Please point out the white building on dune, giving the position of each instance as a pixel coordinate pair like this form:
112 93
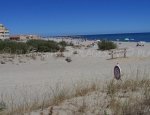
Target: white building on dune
4 32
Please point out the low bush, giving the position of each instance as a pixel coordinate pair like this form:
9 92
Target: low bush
2 106
64 43
106 45
13 47
71 44
43 45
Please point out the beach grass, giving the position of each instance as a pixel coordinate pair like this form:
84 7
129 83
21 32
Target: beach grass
126 97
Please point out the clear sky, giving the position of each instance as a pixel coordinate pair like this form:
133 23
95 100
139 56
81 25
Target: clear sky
65 17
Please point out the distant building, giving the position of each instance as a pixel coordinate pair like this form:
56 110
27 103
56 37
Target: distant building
24 37
4 32
29 37
16 38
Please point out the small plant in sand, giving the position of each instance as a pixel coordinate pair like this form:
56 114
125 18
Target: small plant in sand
68 59
50 111
62 49
3 62
75 52
106 45
71 44
33 56
2 106
82 89
60 54
63 44
42 58
77 46
59 95
146 97
82 108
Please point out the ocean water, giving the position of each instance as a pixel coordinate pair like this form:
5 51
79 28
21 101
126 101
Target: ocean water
133 37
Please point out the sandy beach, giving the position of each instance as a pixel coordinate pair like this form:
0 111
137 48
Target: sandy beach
87 64
36 75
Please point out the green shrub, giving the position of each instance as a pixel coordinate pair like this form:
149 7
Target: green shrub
13 47
2 106
63 44
43 45
71 44
106 45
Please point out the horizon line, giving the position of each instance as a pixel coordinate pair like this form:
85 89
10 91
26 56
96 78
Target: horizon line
41 34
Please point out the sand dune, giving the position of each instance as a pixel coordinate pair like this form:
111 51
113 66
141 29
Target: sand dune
36 75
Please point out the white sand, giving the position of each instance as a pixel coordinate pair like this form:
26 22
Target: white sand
37 76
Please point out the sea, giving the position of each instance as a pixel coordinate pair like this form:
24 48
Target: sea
132 37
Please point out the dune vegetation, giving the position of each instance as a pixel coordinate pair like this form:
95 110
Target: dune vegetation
131 96
14 47
106 45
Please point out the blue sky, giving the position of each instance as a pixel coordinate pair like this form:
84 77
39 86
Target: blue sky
68 17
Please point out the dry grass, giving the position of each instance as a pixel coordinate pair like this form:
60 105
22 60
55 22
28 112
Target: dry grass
60 54
136 103
129 107
33 56
126 97
56 97
82 108
59 95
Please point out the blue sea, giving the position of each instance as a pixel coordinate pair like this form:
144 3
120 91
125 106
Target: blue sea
133 37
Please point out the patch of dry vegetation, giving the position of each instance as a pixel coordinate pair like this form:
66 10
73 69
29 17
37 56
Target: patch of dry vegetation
126 97
129 97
